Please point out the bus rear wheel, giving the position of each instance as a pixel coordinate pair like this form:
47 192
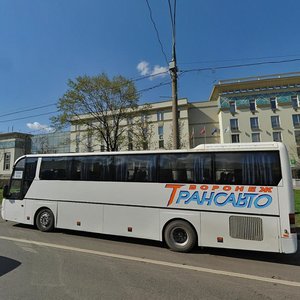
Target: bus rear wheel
45 220
180 236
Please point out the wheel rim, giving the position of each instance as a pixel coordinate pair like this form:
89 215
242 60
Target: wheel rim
45 219
179 236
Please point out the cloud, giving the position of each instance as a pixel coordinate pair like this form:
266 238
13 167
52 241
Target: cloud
39 127
157 71
143 68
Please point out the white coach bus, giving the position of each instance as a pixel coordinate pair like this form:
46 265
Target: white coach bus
221 195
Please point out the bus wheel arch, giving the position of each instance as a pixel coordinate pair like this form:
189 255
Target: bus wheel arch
179 235
44 219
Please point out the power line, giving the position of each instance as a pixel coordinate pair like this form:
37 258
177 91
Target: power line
221 67
240 65
149 76
238 59
53 112
28 109
33 116
156 30
154 87
171 15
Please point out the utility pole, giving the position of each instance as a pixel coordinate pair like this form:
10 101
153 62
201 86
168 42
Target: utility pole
175 127
173 73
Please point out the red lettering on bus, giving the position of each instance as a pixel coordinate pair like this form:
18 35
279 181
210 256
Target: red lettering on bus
265 189
227 188
239 188
204 187
175 187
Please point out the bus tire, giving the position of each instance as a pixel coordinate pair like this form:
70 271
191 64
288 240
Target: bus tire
180 236
45 220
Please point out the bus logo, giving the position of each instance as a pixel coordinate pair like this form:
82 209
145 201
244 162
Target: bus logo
235 196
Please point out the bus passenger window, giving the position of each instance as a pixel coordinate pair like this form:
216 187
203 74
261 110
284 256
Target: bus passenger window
56 168
185 168
136 168
248 168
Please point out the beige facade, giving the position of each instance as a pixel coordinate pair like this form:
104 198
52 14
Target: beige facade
203 123
159 129
261 109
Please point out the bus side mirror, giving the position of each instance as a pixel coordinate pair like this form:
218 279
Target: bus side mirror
5 191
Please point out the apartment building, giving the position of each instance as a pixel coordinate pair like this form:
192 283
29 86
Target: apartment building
261 109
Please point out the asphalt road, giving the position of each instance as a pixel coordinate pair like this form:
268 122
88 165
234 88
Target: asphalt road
73 265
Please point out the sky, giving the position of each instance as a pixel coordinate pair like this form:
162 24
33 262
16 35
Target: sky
44 43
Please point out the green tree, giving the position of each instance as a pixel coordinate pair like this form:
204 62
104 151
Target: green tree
99 103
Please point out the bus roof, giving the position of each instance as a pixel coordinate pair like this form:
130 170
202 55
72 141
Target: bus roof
200 148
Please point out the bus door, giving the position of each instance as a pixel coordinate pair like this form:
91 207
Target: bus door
21 179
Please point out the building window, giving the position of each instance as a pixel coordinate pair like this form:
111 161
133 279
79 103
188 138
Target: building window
297 137
254 123
144 118
232 107
234 125
77 141
273 103
275 122
277 136
77 127
130 146
256 137
161 144
252 105
235 138
295 101
296 121
160 116
160 132
145 145
6 165
130 141
89 142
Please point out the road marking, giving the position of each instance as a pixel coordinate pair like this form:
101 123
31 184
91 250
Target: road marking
157 262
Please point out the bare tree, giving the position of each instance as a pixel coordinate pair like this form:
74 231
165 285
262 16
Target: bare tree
140 128
101 105
182 137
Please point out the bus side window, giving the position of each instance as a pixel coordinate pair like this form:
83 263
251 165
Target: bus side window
166 175
56 168
248 168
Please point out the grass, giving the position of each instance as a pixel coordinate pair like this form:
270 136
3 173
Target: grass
297 206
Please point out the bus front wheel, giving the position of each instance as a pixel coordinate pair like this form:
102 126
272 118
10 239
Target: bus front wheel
180 236
45 220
